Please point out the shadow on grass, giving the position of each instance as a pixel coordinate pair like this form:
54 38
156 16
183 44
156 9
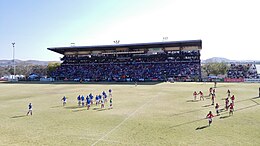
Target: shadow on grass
208 105
95 108
78 110
202 127
57 106
222 110
186 123
224 117
102 109
73 107
192 100
247 107
20 116
255 101
256 97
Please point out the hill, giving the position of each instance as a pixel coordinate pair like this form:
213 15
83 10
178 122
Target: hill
221 59
216 59
21 62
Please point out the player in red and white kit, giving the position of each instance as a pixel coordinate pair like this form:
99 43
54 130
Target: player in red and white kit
195 95
214 91
210 91
217 109
232 99
210 116
201 95
228 92
213 99
226 103
231 109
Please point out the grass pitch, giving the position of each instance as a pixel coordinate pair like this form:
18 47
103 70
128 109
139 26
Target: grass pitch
161 114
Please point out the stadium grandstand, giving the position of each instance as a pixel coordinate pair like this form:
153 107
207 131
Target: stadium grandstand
237 71
156 61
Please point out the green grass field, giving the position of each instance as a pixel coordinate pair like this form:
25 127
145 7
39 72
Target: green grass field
152 115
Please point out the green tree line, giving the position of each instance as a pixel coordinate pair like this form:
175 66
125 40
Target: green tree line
42 70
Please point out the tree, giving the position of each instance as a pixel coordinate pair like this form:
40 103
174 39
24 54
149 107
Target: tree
215 68
4 71
52 66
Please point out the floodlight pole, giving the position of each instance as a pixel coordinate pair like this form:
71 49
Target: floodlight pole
116 41
72 44
165 39
13 57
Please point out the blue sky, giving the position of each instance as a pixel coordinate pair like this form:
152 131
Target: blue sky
228 28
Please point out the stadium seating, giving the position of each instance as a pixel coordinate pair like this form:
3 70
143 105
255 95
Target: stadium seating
242 71
130 67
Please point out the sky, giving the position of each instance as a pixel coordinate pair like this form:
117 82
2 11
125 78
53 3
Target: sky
227 28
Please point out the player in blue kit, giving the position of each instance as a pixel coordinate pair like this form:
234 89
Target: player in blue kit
110 93
88 103
97 100
30 109
91 98
104 96
64 100
79 102
82 100
87 98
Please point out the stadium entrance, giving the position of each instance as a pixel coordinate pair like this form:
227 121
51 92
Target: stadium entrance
157 61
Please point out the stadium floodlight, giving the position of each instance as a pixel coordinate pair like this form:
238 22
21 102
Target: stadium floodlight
13 57
116 41
72 44
165 38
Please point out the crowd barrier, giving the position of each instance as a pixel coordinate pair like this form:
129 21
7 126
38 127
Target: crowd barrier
252 80
233 80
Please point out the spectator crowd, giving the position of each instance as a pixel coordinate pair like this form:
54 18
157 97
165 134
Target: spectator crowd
154 67
242 71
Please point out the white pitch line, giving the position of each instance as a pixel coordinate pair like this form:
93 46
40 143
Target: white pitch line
110 141
121 123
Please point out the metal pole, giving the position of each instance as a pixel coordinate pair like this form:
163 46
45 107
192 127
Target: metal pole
14 58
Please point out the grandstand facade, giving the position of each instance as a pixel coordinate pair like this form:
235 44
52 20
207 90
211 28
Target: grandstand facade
157 61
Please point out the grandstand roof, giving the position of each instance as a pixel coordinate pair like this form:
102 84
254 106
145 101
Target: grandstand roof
184 45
